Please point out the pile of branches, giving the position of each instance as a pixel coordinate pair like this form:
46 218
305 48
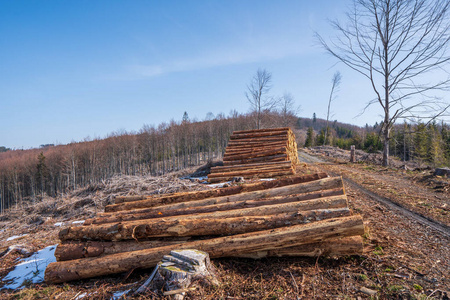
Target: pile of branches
373 158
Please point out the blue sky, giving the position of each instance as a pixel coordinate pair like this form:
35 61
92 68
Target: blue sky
76 69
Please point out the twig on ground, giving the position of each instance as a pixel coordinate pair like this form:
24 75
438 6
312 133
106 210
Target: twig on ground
147 282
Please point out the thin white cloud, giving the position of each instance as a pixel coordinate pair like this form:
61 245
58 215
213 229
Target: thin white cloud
217 59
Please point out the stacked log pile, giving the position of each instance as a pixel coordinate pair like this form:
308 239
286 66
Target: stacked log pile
261 153
302 215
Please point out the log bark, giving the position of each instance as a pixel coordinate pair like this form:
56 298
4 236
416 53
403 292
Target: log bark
197 195
253 146
282 129
203 212
224 203
250 141
219 247
352 245
281 165
264 153
249 146
272 158
269 174
151 228
253 149
69 250
257 143
294 189
238 193
118 199
278 134
251 166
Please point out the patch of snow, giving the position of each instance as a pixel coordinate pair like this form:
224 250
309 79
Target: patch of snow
15 237
30 269
217 185
195 178
266 179
58 224
78 222
81 296
119 294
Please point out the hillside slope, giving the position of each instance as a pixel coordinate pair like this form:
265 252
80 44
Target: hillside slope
403 259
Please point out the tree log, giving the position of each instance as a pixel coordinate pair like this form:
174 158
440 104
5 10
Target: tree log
250 141
293 189
219 247
251 151
248 146
269 152
278 157
211 211
282 129
268 174
197 195
69 250
251 166
151 228
280 134
221 204
253 172
352 245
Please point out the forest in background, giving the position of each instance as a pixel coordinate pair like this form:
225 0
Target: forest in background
28 175
423 143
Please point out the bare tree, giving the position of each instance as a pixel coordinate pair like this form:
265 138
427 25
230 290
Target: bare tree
287 109
401 47
334 86
256 94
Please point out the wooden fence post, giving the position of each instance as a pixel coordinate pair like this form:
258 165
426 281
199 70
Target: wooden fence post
352 154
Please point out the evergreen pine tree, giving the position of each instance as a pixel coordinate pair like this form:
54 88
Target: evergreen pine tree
436 154
445 134
309 137
321 137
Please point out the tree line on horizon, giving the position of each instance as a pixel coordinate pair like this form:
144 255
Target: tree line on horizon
28 175
423 143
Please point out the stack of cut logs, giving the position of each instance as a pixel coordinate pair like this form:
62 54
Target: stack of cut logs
297 216
259 153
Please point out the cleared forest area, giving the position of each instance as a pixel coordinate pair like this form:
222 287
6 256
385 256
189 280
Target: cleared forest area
28 176
401 259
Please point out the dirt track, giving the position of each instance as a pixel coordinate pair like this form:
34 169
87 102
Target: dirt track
391 204
418 238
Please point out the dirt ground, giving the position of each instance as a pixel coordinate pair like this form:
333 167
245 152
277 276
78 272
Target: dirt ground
403 259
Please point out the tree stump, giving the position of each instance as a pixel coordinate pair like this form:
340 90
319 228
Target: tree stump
183 268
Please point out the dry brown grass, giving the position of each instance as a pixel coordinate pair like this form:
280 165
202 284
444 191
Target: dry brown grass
402 259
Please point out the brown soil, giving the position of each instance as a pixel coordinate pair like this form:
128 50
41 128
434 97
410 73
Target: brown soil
403 259
418 191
